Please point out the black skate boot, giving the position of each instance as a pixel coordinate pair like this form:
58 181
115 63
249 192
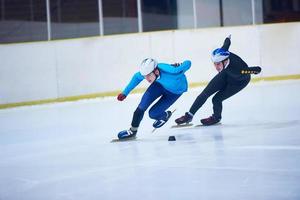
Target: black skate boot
185 119
159 123
210 121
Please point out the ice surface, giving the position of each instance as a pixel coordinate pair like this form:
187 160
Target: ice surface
63 151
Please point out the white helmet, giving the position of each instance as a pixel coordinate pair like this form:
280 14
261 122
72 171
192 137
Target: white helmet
219 55
147 66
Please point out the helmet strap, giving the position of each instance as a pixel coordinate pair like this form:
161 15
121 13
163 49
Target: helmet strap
156 73
223 62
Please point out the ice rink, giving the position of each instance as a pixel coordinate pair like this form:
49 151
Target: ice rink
63 151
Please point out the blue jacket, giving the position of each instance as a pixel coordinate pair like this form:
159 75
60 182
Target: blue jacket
171 78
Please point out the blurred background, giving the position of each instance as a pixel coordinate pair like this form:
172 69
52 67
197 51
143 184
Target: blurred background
41 20
59 50
62 151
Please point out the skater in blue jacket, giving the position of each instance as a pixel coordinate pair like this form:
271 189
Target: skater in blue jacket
168 82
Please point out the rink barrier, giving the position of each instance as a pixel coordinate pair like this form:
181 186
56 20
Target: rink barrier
139 90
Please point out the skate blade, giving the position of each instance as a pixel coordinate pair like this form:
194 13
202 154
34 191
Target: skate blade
124 140
200 125
182 125
153 130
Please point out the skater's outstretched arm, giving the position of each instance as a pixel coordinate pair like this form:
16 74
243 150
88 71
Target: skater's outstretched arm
135 80
227 43
182 68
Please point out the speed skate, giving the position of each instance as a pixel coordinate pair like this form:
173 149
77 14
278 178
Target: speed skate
191 125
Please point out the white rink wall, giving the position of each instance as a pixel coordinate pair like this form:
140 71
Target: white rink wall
56 69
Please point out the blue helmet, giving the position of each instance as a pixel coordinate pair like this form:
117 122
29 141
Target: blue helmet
219 55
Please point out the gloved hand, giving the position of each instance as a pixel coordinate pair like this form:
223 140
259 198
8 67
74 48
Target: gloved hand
255 69
252 70
229 36
121 97
176 64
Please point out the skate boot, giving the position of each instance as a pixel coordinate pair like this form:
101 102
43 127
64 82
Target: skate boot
126 134
159 123
185 119
210 121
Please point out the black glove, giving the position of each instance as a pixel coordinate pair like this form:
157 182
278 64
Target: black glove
255 70
176 64
252 70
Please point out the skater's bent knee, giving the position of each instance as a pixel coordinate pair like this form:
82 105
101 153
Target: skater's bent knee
153 114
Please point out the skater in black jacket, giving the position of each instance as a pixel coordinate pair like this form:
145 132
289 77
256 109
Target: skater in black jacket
233 76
